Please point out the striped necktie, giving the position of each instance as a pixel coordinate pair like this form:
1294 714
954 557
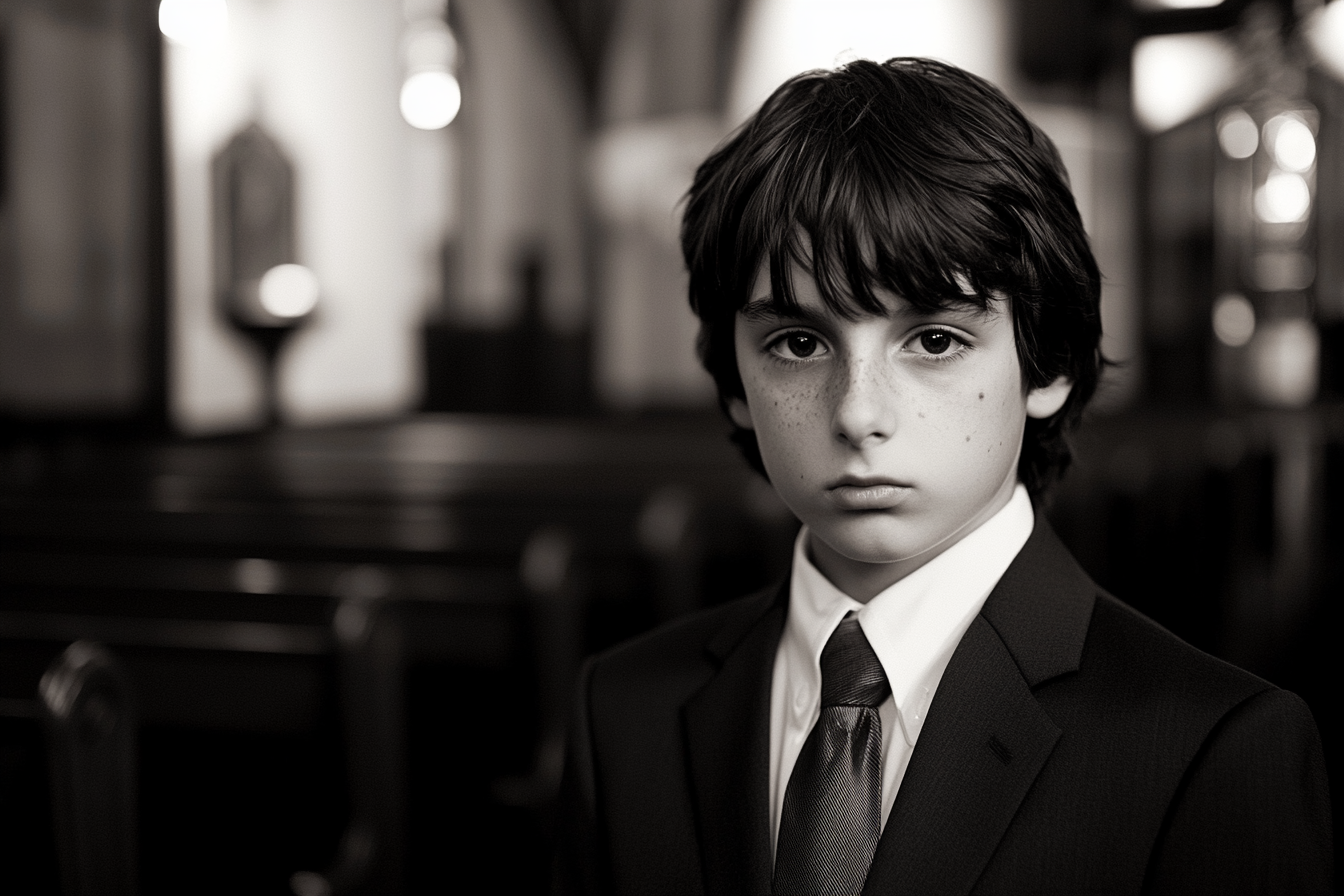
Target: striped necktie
833 803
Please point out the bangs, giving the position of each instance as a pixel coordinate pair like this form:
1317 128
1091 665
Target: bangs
911 178
863 208
870 188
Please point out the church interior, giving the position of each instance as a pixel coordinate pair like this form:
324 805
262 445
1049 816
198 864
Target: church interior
349 395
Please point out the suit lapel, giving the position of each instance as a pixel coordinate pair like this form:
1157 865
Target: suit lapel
986 738
981 748
728 743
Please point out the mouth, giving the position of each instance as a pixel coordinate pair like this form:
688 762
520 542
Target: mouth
859 493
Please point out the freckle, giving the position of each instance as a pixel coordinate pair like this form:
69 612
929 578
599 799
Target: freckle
982 396
968 438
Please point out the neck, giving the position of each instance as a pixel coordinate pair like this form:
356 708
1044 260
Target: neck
863 580
859 579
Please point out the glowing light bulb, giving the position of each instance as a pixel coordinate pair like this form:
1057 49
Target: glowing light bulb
1325 35
288 290
430 100
1284 199
1238 135
1294 145
194 23
1233 319
1176 76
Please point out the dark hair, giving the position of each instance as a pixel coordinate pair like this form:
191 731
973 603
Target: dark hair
911 176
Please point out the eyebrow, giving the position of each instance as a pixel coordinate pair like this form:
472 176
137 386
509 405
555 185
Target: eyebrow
767 310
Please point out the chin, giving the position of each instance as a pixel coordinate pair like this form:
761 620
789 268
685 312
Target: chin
878 540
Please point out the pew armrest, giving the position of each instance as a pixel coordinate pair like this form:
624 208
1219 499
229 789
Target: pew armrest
89 720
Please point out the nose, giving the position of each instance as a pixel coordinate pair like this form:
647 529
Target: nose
864 403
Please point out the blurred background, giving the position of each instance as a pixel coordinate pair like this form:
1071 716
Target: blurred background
348 394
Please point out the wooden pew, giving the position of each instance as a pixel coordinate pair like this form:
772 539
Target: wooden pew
477 542
89 716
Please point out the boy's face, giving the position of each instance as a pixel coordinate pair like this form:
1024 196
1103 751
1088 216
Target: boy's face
890 436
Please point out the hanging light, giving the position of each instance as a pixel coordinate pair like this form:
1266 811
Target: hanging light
193 23
430 96
430 100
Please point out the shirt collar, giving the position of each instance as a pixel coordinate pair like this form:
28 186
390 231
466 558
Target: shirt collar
915 624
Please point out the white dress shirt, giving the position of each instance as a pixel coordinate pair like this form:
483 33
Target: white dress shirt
913 626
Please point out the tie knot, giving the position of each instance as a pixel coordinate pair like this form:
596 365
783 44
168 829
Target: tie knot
851 674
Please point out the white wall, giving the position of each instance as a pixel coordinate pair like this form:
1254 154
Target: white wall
522 123
322 76
781 38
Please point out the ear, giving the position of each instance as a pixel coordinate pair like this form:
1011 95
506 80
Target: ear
741 414
1047 400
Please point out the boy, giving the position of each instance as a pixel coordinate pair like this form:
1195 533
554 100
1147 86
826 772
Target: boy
900 309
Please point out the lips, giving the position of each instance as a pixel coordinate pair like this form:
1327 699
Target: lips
854 493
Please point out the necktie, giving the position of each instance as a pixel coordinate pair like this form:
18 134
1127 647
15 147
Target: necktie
833 803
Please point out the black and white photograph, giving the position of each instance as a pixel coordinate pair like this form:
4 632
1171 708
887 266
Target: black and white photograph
786 447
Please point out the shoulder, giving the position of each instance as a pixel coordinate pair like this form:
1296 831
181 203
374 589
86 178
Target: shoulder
1214 776
1199 706
1121 634
1119 685
1136 683
1150 666
1252 812
1239 762
1216 745
1068 635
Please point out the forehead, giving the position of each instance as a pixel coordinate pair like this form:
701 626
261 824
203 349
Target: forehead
803 297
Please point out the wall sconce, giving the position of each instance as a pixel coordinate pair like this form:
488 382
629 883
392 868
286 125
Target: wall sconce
260 288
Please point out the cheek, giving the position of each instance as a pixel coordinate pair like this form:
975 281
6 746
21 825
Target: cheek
986 419
785 405
788 419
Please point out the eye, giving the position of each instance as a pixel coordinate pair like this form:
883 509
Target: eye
798 345
801 344
936 342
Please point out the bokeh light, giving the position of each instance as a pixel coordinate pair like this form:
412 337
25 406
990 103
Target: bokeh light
1285 363
194 23
430 100
1177 76
1238 135
1292 142
1325 34
288 291
1284 199
1233 319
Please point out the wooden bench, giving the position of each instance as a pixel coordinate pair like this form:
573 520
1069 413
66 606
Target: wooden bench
246 583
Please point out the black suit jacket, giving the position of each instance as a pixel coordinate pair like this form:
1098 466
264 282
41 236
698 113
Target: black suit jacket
1073 746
